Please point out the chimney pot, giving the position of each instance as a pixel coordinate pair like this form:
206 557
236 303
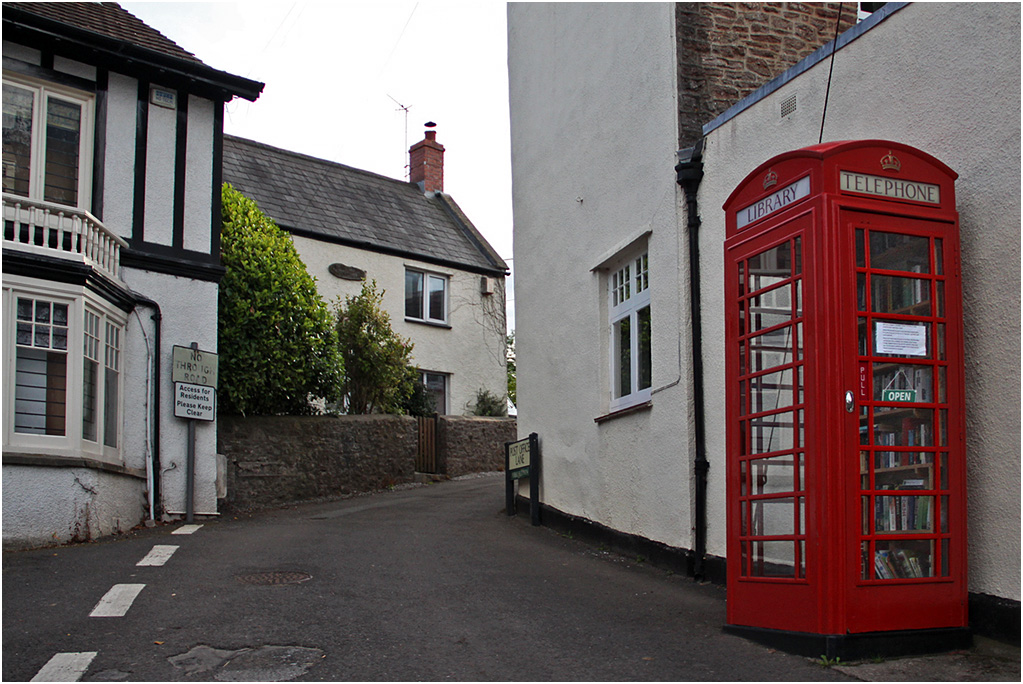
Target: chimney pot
426 163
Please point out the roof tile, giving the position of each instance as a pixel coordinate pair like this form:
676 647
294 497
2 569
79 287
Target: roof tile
348 205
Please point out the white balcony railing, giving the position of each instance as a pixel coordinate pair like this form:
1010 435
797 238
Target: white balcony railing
63 232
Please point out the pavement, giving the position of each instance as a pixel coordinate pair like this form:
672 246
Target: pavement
432 582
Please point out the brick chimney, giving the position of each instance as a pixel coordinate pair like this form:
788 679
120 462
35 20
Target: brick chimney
426 162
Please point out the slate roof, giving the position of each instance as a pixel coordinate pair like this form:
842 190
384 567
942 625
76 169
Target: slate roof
107 19
111 36
337 203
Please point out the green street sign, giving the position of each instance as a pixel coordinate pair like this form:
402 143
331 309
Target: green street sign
898 395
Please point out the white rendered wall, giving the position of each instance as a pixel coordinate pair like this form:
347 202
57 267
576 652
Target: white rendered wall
471 350
199 174
189 309
79 504
944 78
119 167
594 136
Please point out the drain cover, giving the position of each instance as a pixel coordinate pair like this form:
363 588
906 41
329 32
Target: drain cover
274 577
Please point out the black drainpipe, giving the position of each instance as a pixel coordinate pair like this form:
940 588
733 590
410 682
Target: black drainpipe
157 321
688 174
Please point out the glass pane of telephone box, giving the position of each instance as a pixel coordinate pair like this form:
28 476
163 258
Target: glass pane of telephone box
903 382
903 470
901 339
903 514
770 308
771 391
775 432
895 294
903 558
774 517
896 252
770 349
903 427
774 475
773 559
770 267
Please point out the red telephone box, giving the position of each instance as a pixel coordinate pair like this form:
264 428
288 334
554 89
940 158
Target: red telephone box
845 417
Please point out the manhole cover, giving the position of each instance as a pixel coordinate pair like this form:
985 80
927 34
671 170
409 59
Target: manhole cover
274 577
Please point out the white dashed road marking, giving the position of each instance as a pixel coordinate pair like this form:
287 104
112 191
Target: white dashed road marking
65 667
158 556
117 601
186 529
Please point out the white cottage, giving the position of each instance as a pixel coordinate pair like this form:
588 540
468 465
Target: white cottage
111 257
443 283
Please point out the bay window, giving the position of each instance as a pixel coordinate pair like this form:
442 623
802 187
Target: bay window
630 344
46 142
64 403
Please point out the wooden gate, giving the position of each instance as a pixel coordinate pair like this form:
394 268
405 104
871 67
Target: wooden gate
426 454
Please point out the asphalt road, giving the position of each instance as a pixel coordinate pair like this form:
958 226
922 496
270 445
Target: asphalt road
429 583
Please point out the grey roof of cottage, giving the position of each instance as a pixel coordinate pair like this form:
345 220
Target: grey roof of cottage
107 19
337 203
106 34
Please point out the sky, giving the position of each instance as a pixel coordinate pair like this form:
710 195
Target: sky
355 82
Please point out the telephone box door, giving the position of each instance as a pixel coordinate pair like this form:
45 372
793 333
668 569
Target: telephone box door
770 461
908 412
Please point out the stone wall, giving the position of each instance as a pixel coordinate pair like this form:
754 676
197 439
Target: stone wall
274 460
726 50
469 444
279 459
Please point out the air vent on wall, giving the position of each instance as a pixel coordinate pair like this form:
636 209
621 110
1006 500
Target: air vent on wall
788 105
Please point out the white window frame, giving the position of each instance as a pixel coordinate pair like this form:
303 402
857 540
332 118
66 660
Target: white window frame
628 296
425 315
112 327
446 377
43 92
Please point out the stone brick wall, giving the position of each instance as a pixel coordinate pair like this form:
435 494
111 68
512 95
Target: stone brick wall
279 459
726 50
276 460
470 444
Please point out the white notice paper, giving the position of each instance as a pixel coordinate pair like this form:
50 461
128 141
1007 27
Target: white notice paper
900 338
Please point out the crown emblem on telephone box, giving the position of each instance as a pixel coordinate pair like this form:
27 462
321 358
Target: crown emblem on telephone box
891 162
770 179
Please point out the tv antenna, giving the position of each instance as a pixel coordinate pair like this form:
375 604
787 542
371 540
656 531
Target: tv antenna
403 108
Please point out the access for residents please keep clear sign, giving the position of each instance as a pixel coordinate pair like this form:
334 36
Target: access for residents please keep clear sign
194 374
197 402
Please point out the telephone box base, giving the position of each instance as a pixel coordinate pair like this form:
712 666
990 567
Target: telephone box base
858 646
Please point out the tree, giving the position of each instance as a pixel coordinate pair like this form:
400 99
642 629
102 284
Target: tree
488 404
378 374
278 347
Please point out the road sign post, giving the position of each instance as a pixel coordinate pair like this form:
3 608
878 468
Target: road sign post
194 374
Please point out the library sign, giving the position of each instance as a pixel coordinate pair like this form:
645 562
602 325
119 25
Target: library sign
194 374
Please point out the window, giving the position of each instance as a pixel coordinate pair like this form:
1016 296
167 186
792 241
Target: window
426 297
45 146
629 308
437 388
40 379
63 403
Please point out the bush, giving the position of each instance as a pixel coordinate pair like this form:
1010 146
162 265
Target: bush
418 402
487 404
277 343
378 376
